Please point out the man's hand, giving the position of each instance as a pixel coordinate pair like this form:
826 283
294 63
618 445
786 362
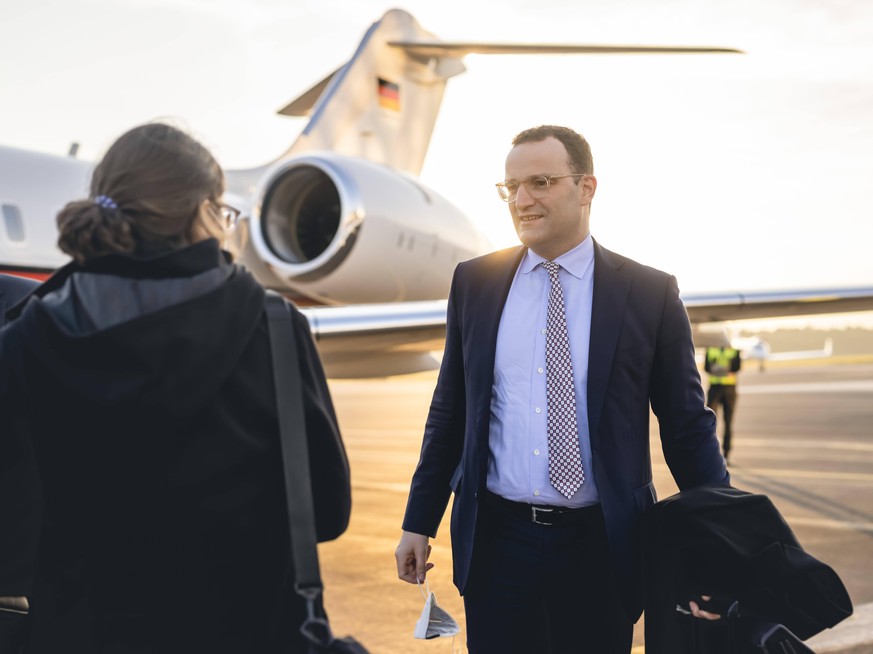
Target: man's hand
411 554
697 612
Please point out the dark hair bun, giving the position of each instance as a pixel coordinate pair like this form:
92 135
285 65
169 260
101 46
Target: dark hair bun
87 230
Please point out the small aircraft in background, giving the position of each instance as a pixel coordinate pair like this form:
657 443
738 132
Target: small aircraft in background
755 348
341 220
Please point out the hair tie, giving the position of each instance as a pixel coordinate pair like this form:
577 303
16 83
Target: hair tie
105 201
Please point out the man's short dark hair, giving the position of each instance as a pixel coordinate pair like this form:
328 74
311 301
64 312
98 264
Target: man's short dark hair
578 150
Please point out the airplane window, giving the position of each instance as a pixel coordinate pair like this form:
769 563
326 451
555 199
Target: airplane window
13 223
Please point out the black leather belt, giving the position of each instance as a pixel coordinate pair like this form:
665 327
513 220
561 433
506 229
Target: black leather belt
540 514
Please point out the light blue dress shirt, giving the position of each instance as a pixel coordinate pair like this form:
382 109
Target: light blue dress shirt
518 468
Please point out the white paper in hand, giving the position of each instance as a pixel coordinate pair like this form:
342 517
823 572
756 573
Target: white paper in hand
434 621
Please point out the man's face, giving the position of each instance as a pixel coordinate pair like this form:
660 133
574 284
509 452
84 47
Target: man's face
558 221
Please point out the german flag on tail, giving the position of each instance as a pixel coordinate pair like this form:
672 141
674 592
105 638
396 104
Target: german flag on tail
389 95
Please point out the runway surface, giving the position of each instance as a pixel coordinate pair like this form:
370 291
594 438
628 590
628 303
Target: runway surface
803 435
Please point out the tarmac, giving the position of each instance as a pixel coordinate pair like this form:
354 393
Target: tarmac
802 437
852 636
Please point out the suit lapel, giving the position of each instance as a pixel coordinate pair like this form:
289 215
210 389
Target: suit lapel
611 289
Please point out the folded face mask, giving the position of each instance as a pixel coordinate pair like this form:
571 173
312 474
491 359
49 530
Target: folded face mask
434 621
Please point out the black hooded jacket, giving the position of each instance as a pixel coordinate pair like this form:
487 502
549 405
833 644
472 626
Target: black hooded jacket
145 387
19 519
12 289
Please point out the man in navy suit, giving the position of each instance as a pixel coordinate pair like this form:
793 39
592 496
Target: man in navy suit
539 423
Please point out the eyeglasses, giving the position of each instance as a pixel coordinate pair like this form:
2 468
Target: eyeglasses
229 215
537 187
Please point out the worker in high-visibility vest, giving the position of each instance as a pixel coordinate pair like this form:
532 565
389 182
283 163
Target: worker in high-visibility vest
722 364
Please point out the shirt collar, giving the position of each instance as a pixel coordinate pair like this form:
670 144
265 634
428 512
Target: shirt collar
575 261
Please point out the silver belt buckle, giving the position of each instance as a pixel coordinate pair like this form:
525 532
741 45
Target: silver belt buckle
533 515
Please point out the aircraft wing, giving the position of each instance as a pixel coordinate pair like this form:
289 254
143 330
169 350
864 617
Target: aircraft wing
372 340
393 324
385 339
720 307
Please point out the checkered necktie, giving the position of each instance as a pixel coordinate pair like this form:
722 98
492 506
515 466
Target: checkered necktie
565 460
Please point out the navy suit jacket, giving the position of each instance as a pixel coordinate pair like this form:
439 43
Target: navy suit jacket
640 353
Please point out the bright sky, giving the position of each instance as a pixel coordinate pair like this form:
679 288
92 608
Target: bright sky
733 172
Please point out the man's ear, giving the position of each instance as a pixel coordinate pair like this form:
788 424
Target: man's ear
588 186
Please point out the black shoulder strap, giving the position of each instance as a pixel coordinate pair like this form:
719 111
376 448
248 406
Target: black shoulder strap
298 487
294 446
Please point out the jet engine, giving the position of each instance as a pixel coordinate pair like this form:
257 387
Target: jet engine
343 230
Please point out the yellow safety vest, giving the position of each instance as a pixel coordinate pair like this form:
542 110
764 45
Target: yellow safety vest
720 359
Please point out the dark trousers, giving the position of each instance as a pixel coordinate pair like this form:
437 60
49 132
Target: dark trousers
543 588
724 395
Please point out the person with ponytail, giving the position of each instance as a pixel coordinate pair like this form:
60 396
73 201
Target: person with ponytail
140 374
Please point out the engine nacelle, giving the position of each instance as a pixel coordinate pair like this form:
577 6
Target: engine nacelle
345 230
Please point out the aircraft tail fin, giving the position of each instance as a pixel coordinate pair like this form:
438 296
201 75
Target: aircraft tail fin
828 349
382 104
